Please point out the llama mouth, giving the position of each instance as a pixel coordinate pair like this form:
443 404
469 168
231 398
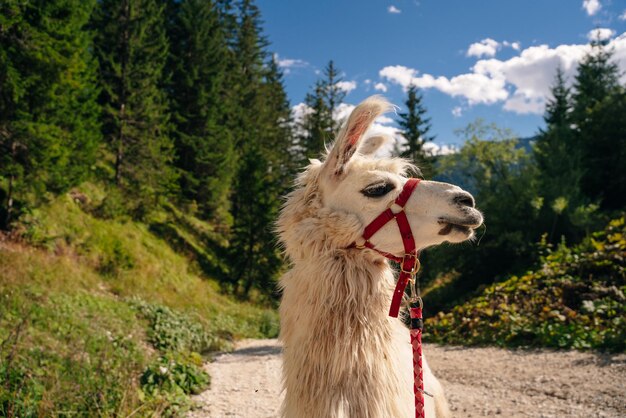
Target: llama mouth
449 227
465 228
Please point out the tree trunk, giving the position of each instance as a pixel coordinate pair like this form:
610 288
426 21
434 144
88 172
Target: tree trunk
119 154
7 218
9 206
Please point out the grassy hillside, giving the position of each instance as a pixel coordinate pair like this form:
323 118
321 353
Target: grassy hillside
103 316
575 300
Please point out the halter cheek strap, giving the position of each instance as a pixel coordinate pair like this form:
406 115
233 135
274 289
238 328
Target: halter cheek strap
409 263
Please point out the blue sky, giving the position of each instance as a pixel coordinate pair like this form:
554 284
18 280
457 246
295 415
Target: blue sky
503 78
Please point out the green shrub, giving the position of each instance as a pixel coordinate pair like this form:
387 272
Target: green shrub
576 300
112 206
175 372
173 331
270 324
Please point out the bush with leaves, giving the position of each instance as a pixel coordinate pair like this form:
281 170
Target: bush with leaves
173 331
576 300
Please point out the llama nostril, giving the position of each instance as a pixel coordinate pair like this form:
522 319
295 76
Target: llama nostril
464 199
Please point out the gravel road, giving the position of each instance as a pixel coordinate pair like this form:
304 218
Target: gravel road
479 382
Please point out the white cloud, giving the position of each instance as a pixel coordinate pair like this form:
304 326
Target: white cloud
286 64
393 10
476 88
343 111
622 16
380 87
347 86
600 34
515 45
521 83
436 149
384 120
591 6
487 47
299 111
457 111
519 103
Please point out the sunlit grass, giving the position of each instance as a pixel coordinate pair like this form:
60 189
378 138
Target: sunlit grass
74 335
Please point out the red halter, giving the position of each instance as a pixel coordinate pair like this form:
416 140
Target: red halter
409 263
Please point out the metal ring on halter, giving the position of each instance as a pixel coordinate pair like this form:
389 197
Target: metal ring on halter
361 246
417 266
390 205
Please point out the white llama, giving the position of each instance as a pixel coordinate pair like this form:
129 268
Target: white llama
343 355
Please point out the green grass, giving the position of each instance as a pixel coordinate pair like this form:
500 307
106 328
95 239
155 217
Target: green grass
576 300
102 316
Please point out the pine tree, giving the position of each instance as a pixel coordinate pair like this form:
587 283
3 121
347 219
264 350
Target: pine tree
261 128
333 94
558 155
599 119
49 128
278 134
254 258
132 49
555 149
316 125
319 125
597 76
415 129
198 67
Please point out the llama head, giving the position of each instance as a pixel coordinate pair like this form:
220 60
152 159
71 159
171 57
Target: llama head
334 200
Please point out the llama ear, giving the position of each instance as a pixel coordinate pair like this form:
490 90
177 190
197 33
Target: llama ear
372 144
351 134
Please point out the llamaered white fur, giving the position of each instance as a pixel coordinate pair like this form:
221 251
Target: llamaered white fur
343 355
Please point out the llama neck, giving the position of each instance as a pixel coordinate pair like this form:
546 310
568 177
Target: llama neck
338 338
348 290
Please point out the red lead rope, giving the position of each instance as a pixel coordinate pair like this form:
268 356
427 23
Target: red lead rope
418 376
409 265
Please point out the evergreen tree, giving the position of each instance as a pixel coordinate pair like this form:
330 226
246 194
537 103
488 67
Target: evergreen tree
333 94
132 49
597 77
558 160
315 128
261 127
49 128
254 258
319 124
605 152
415 129
198 66
599 119
279 136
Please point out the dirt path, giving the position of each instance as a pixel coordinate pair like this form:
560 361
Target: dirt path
480 382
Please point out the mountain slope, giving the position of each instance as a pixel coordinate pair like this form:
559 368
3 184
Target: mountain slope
102 316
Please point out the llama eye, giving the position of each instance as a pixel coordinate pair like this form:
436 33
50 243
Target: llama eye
378 190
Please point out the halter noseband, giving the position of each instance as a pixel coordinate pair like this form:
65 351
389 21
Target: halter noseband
409 263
